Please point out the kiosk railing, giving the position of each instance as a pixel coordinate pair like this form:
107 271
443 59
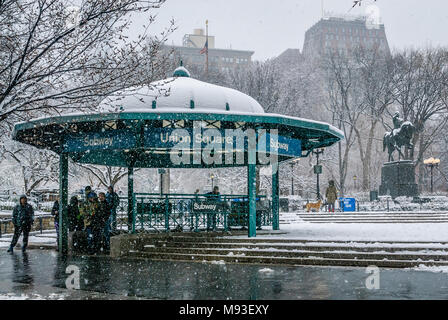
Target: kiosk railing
190 212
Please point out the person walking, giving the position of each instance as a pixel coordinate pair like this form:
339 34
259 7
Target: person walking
22 219
55 214
331 194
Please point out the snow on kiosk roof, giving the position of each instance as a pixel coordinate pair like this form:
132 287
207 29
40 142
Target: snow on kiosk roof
127 125
185 93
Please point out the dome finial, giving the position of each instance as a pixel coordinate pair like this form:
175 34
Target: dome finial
181 71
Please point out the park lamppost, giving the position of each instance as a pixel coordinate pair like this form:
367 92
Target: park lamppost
292 174
212 176
318 169
431 162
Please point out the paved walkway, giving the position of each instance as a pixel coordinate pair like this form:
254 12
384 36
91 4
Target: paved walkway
40 274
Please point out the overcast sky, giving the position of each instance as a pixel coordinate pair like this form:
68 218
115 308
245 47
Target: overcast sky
269 27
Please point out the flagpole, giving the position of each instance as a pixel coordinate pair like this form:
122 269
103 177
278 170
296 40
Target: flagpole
322 8
206 51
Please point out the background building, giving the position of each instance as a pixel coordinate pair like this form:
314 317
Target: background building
197 40
289 57
219 60
344 33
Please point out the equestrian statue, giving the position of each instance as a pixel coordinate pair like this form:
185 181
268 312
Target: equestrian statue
400 136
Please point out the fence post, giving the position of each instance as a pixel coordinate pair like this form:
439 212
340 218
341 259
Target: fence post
134 212
40 224
167 218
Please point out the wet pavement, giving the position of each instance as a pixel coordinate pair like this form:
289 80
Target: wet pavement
40 274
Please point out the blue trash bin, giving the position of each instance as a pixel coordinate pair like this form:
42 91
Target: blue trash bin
347 204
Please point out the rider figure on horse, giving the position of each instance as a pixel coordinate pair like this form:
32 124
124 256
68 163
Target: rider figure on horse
400 136
397 120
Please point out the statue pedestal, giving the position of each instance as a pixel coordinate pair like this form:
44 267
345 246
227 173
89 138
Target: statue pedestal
398 179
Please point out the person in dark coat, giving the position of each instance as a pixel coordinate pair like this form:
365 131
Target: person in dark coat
87 211
75 221
213 196
55 214
100 218
77 238
113 200
22 219
331 194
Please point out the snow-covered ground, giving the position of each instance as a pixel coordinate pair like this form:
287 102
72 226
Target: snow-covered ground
434 232
34 238
31 296
8 213
394 232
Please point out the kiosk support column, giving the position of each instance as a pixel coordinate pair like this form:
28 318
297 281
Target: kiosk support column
251 187
275 198
130 197
63 201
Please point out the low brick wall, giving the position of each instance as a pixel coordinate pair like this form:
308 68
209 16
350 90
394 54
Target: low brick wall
120 245
47 224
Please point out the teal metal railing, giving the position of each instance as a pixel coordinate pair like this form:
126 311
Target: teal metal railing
190 212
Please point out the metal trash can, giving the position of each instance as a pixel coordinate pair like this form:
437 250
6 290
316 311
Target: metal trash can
373 195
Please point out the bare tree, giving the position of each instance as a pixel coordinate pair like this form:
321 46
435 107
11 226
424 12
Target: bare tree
344 103
261 81
374 70
36 167
54 56
106 175
420 88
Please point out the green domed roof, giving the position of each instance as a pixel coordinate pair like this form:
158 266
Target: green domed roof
181 72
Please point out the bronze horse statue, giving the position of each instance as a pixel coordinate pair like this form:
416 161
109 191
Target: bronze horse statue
398 138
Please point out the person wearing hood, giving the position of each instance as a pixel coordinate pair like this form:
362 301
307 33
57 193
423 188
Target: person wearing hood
22 219
331 194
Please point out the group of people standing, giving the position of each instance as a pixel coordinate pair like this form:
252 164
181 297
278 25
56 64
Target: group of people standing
92 217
